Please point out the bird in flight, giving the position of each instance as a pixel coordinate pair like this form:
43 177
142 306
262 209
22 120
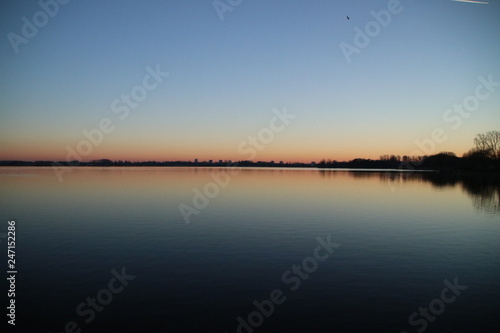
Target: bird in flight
348 17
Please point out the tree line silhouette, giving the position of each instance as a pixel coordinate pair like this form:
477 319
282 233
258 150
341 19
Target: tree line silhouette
484 157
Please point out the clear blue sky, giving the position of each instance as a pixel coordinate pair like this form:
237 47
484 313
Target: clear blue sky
226 77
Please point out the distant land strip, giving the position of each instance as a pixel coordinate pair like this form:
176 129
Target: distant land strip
439 162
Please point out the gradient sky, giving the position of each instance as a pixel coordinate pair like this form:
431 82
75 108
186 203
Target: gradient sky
226 77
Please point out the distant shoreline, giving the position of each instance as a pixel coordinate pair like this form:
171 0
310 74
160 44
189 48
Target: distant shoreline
439 163
226 164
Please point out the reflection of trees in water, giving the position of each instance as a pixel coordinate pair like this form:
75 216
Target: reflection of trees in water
392 177
483 189
485 193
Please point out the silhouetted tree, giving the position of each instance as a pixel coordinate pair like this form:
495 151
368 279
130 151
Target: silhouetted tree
488 143
477 154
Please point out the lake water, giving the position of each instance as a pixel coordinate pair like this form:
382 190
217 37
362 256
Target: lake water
268 250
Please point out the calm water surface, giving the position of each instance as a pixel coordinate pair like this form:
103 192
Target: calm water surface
398 238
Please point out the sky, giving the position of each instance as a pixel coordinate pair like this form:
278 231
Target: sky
179 80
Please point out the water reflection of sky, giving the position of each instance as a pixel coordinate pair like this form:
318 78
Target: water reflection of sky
306 188
400 236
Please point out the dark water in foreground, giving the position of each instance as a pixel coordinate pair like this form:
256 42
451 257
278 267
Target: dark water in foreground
337 251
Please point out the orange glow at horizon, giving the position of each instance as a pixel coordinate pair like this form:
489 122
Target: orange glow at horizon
140 152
